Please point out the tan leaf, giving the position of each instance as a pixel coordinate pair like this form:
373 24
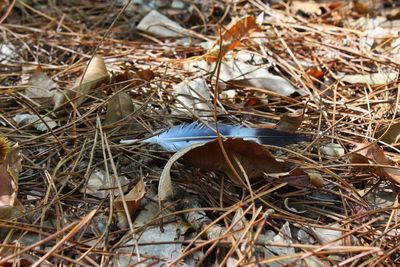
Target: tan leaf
332 150
192 96
132 199
240 74
119 107
35 121
316 179
165 187
96 74
155 23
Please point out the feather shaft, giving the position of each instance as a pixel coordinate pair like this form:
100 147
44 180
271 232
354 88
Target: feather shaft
181 136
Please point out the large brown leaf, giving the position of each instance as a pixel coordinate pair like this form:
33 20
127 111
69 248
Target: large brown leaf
255 159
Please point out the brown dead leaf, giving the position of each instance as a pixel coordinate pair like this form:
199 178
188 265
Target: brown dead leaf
254 158
146 75
119 107
132 199
96 74
372 154
135 78
231 37
9 174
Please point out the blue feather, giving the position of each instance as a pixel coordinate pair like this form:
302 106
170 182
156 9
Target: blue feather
183 135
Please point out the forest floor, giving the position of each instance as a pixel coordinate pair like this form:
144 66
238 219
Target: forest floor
84 84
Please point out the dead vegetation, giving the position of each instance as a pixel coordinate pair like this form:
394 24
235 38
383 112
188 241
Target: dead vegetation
84 83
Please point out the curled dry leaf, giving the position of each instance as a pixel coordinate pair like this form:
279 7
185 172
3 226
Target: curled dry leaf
165 187
9 174
96 73
132 199
372 154
236 30
254 158
240 74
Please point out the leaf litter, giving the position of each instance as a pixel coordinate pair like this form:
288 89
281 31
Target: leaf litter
109 72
